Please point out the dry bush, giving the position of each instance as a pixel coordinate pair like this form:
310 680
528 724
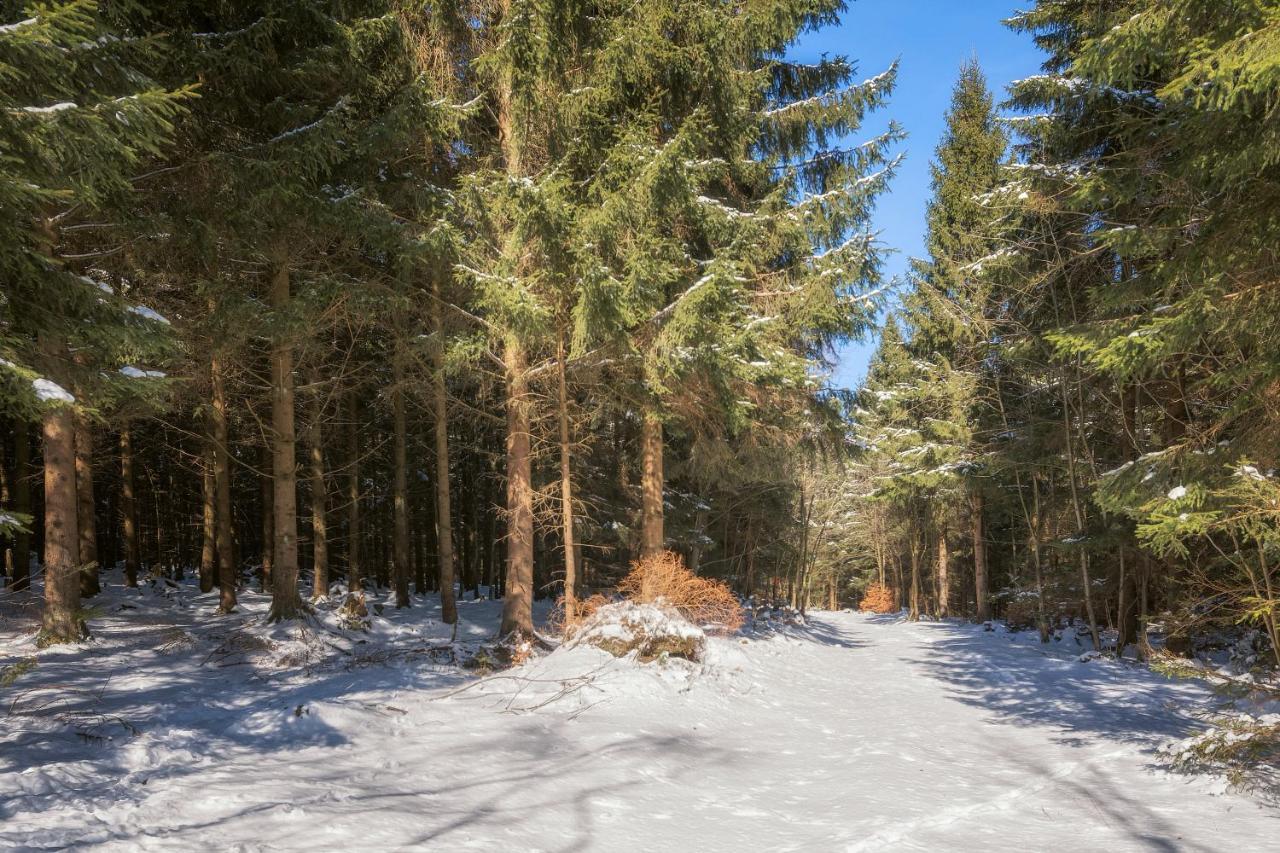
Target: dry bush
663 579
877 599
557 620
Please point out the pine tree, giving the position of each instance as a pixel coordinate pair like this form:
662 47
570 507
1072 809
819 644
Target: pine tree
949 307
79 117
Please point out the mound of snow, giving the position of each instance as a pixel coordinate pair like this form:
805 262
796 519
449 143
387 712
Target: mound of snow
652 631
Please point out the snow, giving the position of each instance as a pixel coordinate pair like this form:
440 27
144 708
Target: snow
51 108
177 729
49 391
138 373
148 313
1177 493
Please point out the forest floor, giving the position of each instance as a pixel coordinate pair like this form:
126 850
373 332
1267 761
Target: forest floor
176 730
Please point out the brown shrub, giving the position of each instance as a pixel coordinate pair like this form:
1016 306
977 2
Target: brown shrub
557 620
663 579
877 599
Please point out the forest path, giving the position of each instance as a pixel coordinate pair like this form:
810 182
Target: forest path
853 733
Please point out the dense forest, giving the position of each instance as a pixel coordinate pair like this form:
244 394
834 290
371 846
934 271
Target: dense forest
400 295
424 425
1071 414
505 295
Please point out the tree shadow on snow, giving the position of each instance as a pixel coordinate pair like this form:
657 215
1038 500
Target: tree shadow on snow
1022 685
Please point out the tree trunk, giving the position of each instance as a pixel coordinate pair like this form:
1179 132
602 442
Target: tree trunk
61 622
319 498
444 519
355 582
944 574
88 528
208 521
915 578
566 497
222 491
400 568
266 496
980 581
286 603
652 539
129 511
22 502
517 608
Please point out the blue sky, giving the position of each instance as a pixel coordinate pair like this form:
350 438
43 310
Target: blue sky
930 38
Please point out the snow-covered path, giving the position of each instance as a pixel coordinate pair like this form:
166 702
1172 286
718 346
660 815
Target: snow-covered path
854 733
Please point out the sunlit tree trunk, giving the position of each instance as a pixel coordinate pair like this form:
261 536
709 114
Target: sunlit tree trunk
61 622
444 519
652 539
566 495
208 521
517 609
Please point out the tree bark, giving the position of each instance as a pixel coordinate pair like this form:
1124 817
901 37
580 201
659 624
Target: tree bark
517 608
208 521
22 502
286 603
916 548
222 490
266 497
61 622
129 511
355 581
319 499
444 520
980 582
85 520
944 573
400 568
566 496
652 539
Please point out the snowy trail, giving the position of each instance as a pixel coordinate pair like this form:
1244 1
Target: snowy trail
854 733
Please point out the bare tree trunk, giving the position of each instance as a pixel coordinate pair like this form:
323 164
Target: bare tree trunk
652 540
444 519
61 622
566 497
916 548
22 502
266 491
400 568
89 583
517 608
699 532
129 511
222 491
980 582
286 603
355 582
208 521
944 573
319 498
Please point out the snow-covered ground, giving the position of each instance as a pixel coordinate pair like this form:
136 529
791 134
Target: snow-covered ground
176 730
